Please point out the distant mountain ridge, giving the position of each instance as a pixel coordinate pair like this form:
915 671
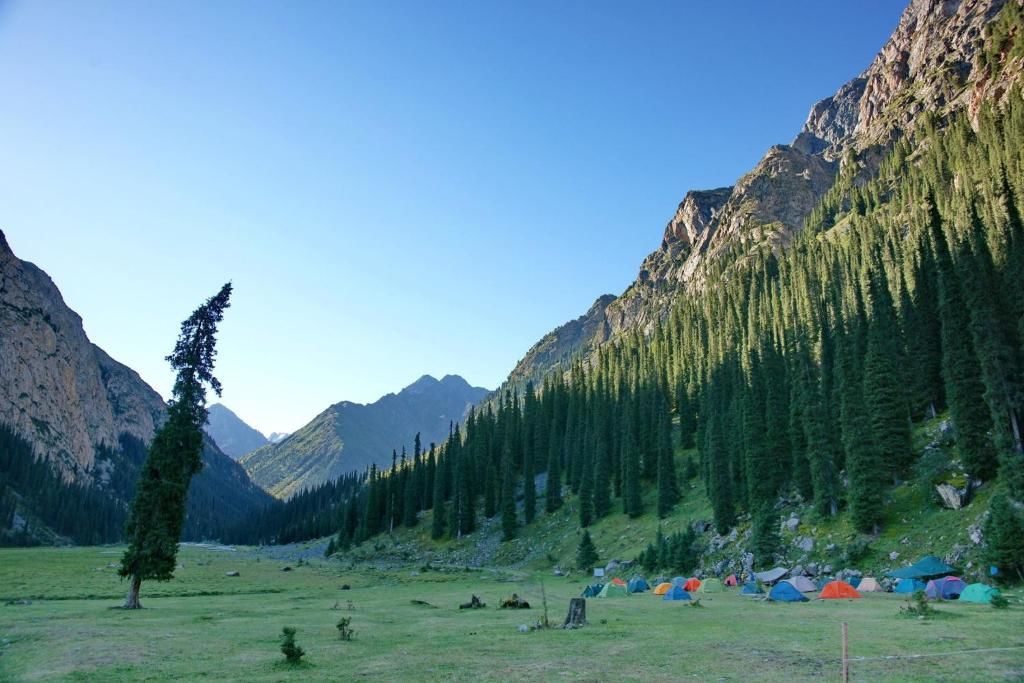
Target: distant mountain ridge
234 436
349 437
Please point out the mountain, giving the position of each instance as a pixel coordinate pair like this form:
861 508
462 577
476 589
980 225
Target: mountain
86 419
349 437
231 433
932 66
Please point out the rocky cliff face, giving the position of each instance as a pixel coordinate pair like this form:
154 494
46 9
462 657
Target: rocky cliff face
937 60
349 437
61 392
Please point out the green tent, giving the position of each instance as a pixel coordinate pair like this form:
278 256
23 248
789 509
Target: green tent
613 590
711 586
979 592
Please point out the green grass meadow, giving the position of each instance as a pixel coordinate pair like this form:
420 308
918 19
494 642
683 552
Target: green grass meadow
204 625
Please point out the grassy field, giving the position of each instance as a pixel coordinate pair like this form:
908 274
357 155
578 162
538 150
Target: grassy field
206 626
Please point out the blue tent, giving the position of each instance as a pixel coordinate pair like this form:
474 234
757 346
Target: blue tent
946 588
854 581
676 593
908 586
786 592
637 585
679 581
751 588
592 590
824 581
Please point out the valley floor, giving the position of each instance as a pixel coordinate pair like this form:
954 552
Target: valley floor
57 623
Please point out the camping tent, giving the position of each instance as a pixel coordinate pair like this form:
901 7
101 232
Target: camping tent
928 566
908 586
772 575
592 590
731 580
869 585
837 590
662 588
979 592
676 593
613 590
784 592
824 581
946 588
711 585
802 584
854 581
618 582
637 585
692 584
751 588
678 581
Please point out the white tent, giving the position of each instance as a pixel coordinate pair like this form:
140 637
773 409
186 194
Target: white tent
772 575
869 585
802 584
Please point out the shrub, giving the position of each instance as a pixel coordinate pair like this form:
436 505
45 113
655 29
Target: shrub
345 631
291 650
917 606
999 602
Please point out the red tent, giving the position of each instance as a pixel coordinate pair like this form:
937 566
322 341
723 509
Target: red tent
731 580
837 590
691 584
618 582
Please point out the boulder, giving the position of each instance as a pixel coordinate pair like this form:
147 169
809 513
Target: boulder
792 523
975 533
894 555
232 574
805 543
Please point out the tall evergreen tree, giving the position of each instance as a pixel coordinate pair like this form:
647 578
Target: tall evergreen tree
158 510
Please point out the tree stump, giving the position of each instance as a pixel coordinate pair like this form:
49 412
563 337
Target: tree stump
577 616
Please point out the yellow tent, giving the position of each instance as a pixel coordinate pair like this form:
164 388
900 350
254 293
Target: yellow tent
662 588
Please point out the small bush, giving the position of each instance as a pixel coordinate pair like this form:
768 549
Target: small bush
291 650
917 606
999 602
345 631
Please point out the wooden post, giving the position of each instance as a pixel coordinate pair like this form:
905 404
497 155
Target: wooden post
846 654
577 615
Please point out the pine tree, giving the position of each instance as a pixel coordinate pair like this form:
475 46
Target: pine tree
764 541
529 445
668 485
1004 537
158 510
586 553
438 528
509 523
553 495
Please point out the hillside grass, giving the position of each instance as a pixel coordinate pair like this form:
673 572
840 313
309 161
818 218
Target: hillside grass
204 625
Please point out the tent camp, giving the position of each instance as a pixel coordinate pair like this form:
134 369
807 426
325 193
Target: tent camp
731 580
676 593
838 590
802 584
869 585
979 592
927 567
613 590
711 585
946 588
772 575
662 588
908 586
692 584
592 590
678 581
618 582
784 592
637 585
751 588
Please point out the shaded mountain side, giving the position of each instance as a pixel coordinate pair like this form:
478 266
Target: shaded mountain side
231 433
349 437
67 404
934 64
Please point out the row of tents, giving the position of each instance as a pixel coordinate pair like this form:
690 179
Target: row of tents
793 589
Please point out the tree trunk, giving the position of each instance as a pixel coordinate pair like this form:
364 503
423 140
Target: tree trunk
132 600
577 615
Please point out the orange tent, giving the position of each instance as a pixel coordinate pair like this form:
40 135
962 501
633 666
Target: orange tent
731 580
691 585
662 588
837 590
618 582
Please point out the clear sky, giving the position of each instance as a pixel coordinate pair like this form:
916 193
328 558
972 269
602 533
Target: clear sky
395 188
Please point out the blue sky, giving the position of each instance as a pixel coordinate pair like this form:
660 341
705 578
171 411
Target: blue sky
395 188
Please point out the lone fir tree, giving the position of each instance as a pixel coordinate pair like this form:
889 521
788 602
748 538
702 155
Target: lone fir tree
158 510
586 553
